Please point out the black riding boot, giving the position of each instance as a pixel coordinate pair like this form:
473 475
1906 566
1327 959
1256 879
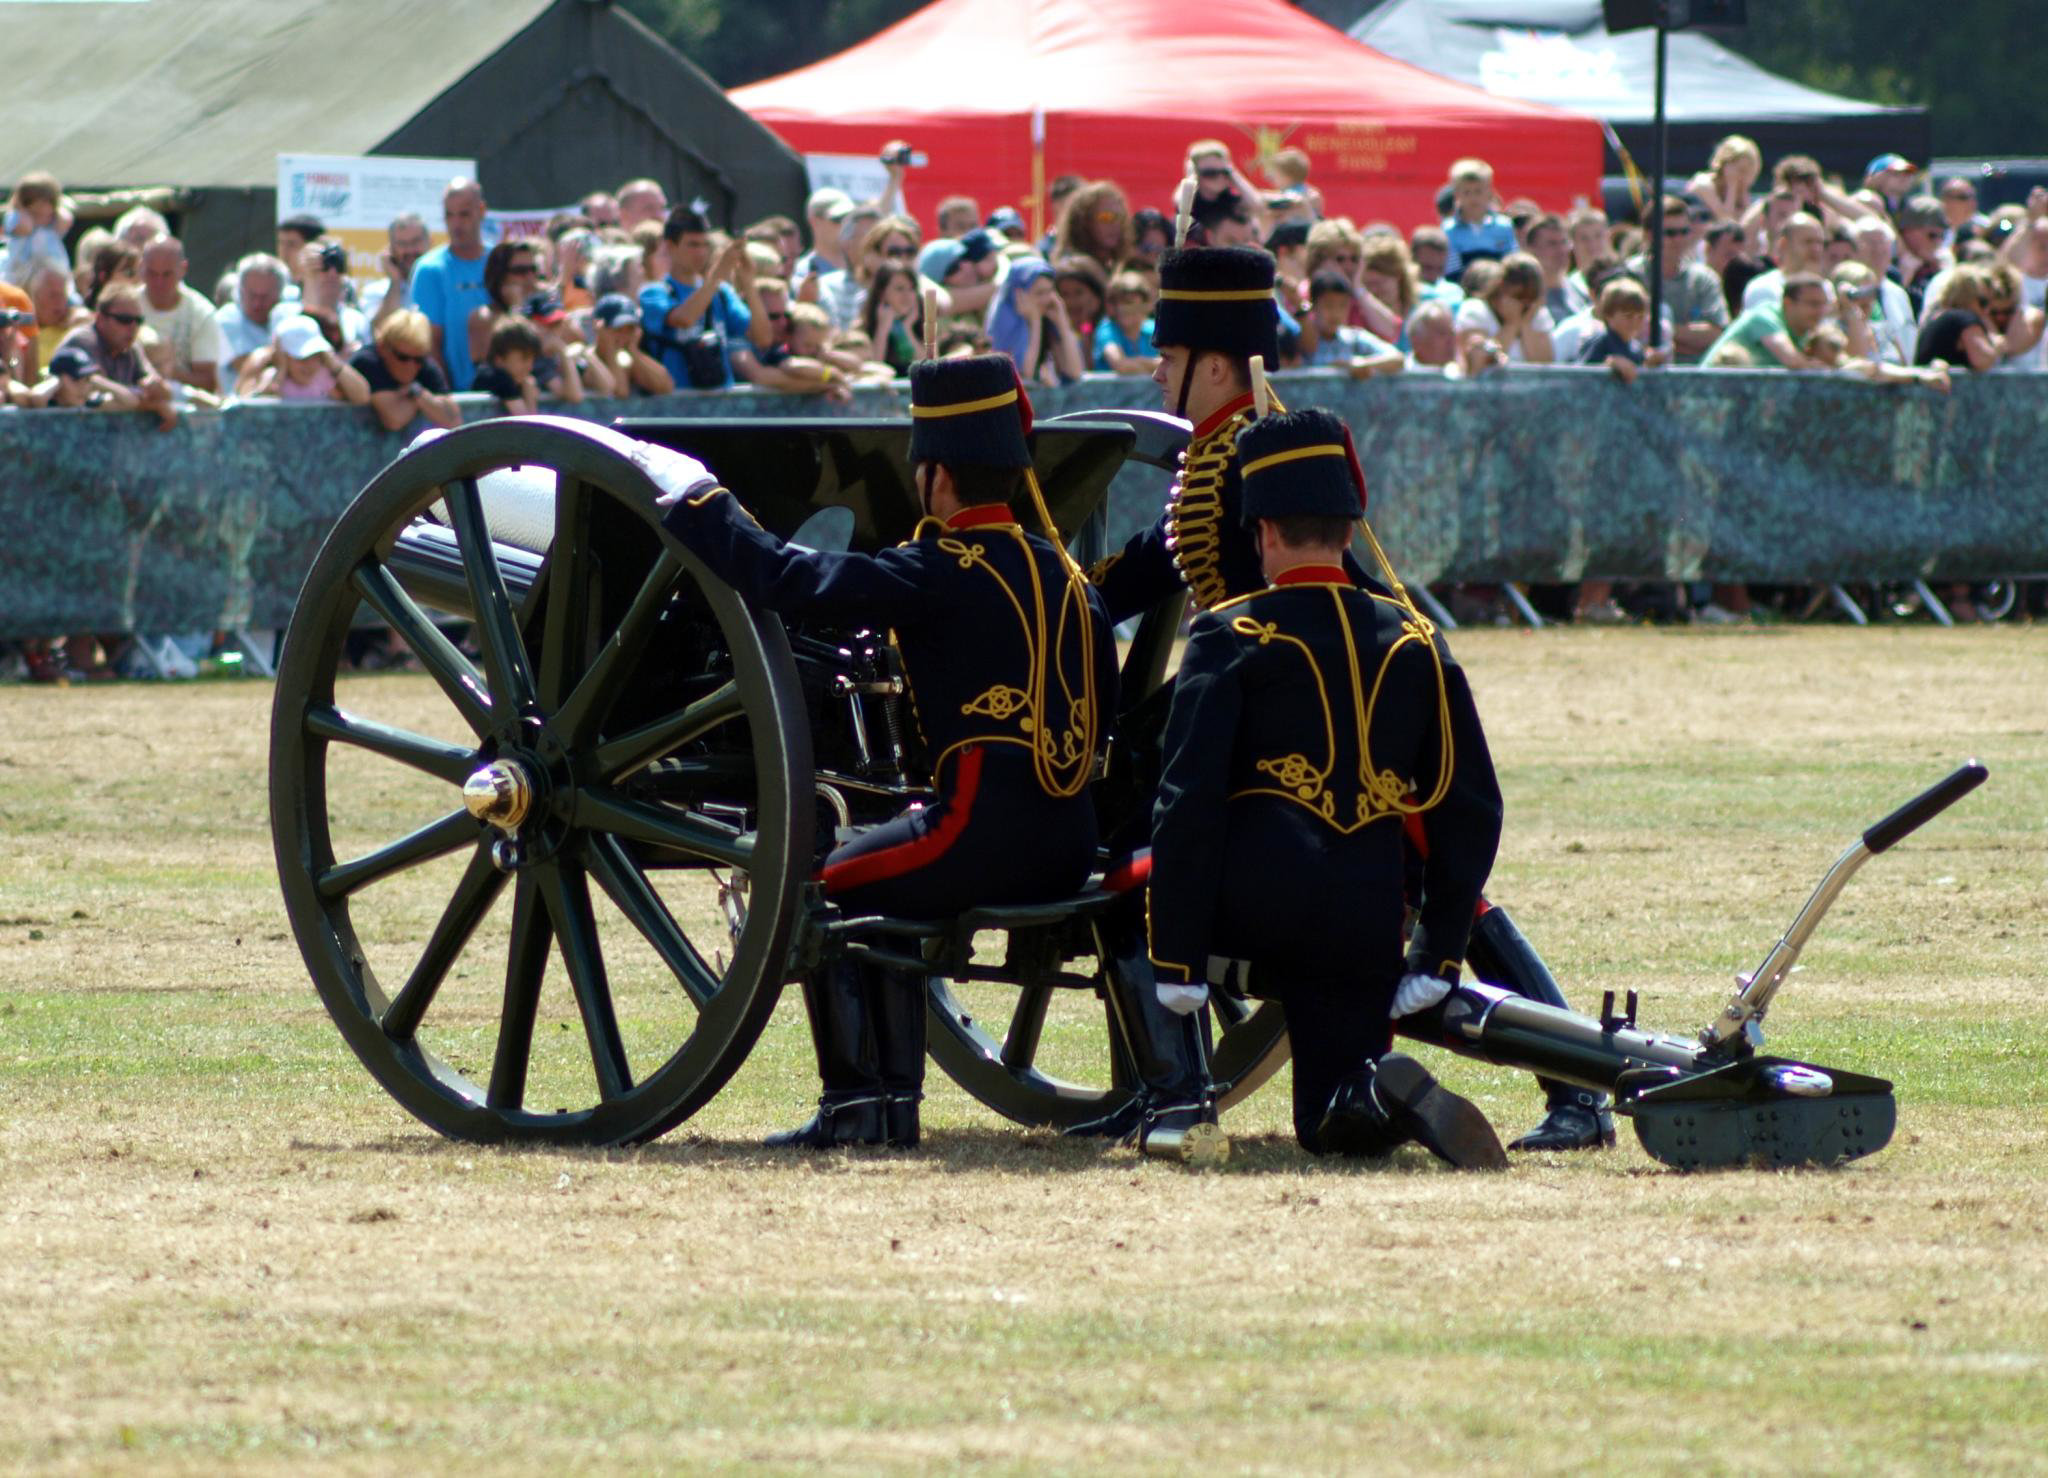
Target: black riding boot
1387 1103
1173 1113
850 1110
1576 1118
899 1016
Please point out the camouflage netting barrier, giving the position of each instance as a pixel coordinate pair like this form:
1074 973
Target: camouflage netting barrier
1538 475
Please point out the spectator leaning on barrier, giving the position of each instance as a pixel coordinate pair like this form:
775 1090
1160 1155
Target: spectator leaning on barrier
75 381
399 370
448 283
1775 335
507 369
245 324
1386 275
616 321
110 340
2018 328
893 317
1510 312
36 222
1957 331
304 367
182 318
1692 293
406 241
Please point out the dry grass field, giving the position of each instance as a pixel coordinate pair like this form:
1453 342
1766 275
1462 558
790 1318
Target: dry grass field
222 1247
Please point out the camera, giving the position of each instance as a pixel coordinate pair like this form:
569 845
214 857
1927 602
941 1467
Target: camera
334 257
15 318
904 156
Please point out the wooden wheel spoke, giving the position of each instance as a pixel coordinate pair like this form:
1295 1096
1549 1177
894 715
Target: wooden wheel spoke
436 839
526 960
627 886
1027 1025
600 810
584 707
620 757
473 898
458 678
451 762
568 898
568 592
497 627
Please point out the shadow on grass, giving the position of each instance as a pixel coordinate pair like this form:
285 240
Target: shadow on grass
972 1151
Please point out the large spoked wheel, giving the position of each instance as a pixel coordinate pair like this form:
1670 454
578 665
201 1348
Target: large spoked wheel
1060 1056
515 885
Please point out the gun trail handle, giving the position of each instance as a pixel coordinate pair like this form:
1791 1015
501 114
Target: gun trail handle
1924 807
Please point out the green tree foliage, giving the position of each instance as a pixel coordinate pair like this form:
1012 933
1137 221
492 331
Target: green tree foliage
1976 64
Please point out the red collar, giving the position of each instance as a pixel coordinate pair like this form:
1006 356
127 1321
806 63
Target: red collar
1221 414
1313 575
981 515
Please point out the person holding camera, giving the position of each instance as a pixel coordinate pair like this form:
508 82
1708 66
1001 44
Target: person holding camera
323 296
695 316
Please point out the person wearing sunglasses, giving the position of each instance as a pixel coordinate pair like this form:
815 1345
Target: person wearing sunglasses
1693 297
405 382
1096 224
110 340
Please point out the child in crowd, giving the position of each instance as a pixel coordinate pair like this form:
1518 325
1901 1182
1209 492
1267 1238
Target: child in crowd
1475 231
620 353
162 355
1123 341
74 382
508 367
1340 344
811 338
304 367
1624 314
36 224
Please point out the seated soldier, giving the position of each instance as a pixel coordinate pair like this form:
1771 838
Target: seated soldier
1309 721
1011 664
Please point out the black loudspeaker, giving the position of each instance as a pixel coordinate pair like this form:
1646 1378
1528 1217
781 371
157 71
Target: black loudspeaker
1674 15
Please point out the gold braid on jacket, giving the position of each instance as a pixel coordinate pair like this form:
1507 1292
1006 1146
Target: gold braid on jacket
1194 513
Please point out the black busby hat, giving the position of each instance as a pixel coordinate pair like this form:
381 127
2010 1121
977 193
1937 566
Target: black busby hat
1300 462
1219 298
972 411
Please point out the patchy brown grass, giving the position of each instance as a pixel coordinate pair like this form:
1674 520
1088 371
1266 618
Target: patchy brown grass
221 1246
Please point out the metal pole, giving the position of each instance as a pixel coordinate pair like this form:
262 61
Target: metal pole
1657 201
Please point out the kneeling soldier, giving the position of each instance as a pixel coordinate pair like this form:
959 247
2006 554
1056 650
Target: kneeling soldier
1308 721
1010 662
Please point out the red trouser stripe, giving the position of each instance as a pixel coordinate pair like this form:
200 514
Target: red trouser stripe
893 862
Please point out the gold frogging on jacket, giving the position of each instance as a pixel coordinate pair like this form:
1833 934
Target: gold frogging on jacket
1381 792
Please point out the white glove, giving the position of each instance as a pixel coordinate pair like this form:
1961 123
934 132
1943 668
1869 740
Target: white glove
1418 993
1181 1000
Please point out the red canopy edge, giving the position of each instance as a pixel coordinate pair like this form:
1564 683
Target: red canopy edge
1125 87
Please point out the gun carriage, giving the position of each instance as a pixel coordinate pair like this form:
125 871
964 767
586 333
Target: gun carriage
633 731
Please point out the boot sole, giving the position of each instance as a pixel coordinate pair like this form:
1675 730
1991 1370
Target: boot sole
1442 1122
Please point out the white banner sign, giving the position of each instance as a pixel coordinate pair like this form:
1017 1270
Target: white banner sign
859 175
356 198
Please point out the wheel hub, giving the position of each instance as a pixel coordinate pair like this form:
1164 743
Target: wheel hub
501 793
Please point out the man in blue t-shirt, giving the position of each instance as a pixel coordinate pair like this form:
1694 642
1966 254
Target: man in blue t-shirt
697 297
1476 231
448 282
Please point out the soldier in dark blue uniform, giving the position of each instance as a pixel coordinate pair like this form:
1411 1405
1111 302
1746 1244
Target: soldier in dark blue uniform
1011 666
1216 313
1309 721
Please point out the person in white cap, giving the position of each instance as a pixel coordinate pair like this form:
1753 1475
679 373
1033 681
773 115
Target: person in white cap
304 366
826 211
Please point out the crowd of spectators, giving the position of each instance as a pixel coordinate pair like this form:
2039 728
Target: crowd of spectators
629 294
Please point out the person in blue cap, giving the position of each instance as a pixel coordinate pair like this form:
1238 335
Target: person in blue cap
1310 722
1011 665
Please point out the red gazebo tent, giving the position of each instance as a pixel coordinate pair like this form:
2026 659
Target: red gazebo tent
1003 94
